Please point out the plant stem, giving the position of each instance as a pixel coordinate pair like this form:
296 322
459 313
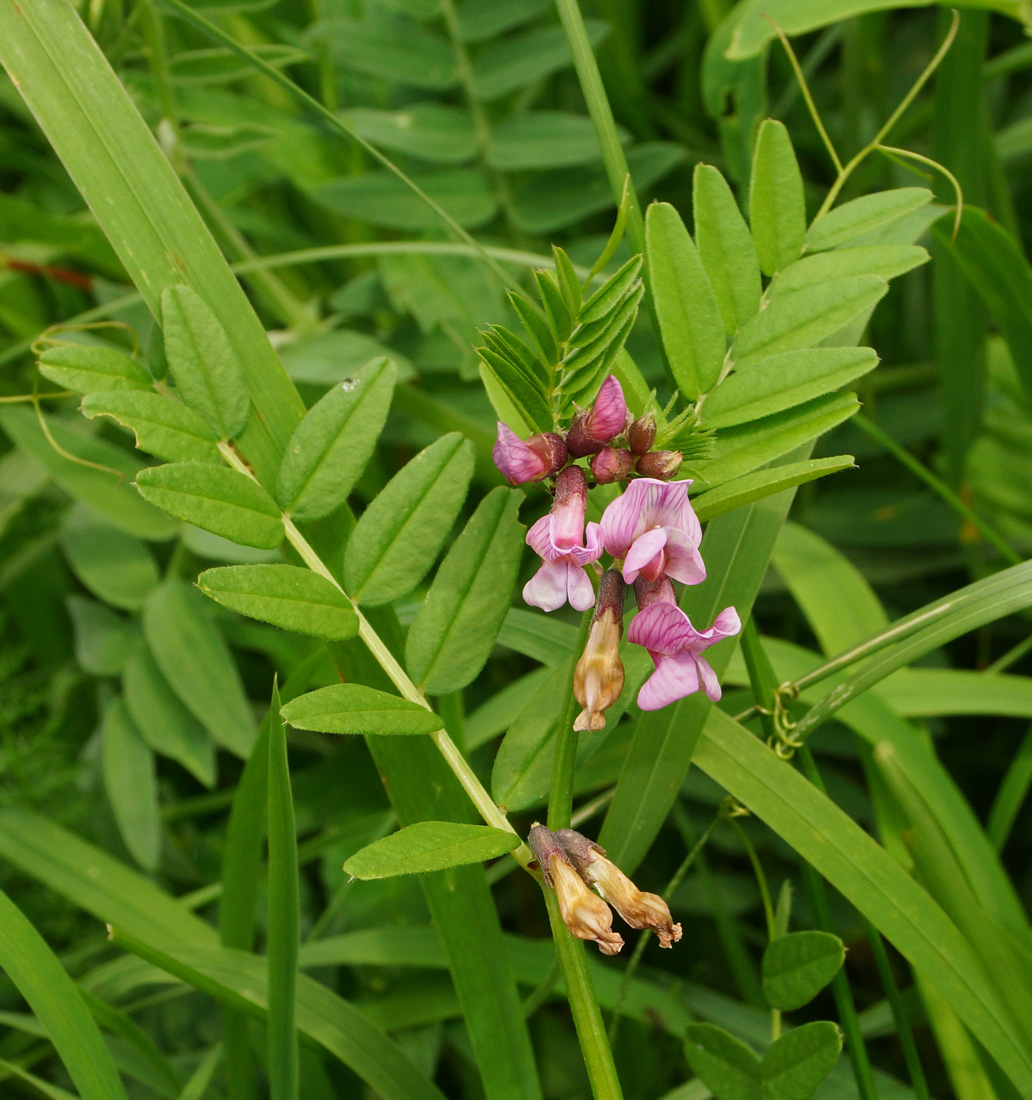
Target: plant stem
480 798
560 799
587 1016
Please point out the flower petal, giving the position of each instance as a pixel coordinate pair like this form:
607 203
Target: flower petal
622 520
710 683
547 588
646 548
578 586
608 416
674 678
539 537
726 625
666 503
517 462
684 562
662 628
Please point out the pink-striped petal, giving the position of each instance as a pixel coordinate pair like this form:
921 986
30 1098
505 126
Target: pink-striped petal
547 589
539 537
662 628
675 677
578 587
647 551
622 520
710 683
608 416
592 548
517 462
683 561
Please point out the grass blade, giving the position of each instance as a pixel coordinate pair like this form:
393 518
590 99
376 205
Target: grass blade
284 916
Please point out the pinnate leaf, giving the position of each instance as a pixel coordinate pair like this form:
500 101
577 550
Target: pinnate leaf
886 260
162 427
777 206
356 709
798 966
764 483
796 1065
400 534
452 636
86 367
331 446
430 846
689 317
863 215
205 366
131 784
724 1064
215 498
286 596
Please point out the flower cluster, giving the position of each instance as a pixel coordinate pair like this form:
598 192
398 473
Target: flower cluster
650 531
570 864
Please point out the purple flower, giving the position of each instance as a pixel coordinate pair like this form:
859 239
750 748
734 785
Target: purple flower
557 538
605 420
653 528
537 458
676 648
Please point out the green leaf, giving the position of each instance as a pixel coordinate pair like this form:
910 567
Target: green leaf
764 483
355 709
724 1064
430 846
885 260
543 139
864 215
103 638
86 367
40 978
742 449
796 1065
204 364
194 658
397 50
215 498
287 596
777 207
798 966
162 427
106 491
284 916
689 317
781 381
429 131
164 722
521 59
452 636
131 784
726 248
997 268
805 317
114 565
380 198
400 534
331 446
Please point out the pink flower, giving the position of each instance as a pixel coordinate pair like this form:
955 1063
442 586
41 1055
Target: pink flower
558 539
653 528
605 420
676 648
534 460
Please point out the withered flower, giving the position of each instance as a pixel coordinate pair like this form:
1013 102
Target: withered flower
638 908
599 676
585 914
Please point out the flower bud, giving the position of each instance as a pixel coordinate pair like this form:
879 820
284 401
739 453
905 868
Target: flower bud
604 421
638 908
599 676
534 460
611 464
662 465
585 914
642 434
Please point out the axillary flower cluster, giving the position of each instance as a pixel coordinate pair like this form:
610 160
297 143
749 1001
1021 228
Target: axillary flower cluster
650 531
570 864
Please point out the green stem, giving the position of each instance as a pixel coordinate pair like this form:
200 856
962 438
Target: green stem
399 677
564 762
938 486
601 115
840 983
587 1016
899 1013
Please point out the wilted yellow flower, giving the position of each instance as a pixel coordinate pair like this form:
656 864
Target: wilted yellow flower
585 914
638 908
599 676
